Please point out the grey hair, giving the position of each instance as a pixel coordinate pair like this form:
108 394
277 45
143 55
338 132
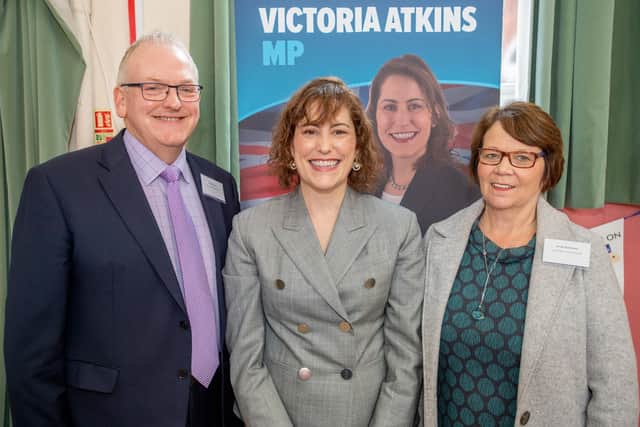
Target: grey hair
156 38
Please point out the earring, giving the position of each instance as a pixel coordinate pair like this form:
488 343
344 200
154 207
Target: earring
356 166
292 165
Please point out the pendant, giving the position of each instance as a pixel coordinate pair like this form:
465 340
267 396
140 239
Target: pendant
477 314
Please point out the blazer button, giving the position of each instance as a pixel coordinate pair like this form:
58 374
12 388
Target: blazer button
303 328
182 374
184 324
370 283
344 326
279 284
346 374
304 374
524 419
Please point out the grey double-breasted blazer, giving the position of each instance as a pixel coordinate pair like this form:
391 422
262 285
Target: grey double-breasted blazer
325 339
578 366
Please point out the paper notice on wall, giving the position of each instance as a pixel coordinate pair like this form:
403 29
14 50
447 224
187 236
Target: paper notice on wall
613 234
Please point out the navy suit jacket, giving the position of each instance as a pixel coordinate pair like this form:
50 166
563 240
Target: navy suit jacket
97 331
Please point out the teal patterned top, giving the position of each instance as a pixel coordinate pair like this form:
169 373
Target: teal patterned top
479 360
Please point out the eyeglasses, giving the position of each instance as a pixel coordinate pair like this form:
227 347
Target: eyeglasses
152 91
518 159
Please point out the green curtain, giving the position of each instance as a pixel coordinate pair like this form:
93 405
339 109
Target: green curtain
212 44
585 72
623 175
41 67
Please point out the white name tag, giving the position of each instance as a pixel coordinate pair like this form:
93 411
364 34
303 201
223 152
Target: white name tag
566 252
212 188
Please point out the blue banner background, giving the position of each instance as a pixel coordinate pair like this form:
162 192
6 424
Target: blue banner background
471 58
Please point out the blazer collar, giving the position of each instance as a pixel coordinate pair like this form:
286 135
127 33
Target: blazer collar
547 285
351 217
350 234
213 212
551 223
449 241
459 224
120 183
446 242
324 272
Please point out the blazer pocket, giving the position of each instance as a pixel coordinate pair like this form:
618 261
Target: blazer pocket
88 376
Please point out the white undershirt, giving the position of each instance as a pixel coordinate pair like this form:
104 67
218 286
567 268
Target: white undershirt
392 197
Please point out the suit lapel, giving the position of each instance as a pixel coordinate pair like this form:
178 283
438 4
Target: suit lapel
298 238
120 183
349 236
213 212
446 250
547 285
444 254
215 220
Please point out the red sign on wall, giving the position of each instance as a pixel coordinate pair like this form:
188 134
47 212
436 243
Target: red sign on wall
103 126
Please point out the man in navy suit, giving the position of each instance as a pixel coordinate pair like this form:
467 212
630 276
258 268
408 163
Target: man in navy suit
97 327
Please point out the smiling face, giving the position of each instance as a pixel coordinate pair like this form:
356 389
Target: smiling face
503 186
403 117
162 126
324 153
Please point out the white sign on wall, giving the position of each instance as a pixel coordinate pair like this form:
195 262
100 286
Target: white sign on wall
613 234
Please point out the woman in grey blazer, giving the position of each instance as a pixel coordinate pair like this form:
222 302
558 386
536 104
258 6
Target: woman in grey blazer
523 320
324 285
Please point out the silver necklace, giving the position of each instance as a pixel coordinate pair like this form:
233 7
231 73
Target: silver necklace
396 186
478 313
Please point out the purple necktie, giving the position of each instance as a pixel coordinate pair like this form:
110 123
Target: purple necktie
197 296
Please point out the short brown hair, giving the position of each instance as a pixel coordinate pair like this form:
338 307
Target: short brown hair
329 94
530 125
415 68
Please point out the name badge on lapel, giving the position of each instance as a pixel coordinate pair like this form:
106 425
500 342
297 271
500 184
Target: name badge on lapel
212 188
566 252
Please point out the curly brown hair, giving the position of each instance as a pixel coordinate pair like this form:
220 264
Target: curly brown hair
325 96
530 125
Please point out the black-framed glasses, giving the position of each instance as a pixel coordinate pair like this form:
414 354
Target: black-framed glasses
152 91
518 159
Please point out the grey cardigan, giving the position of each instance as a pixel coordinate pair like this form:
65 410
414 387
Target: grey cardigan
578 366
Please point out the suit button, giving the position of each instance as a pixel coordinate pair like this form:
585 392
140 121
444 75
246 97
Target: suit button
370 283
304 374
524 419
182 374
279 284
346 374
344 326
303 328
184 324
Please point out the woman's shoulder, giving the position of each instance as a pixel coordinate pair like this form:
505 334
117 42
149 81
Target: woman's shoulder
555 224
264 213
392 223
384 209
558 223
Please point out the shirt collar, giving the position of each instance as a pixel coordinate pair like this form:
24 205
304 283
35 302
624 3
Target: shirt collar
148 166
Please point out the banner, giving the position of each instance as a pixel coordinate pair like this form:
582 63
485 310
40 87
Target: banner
281 45
613 234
